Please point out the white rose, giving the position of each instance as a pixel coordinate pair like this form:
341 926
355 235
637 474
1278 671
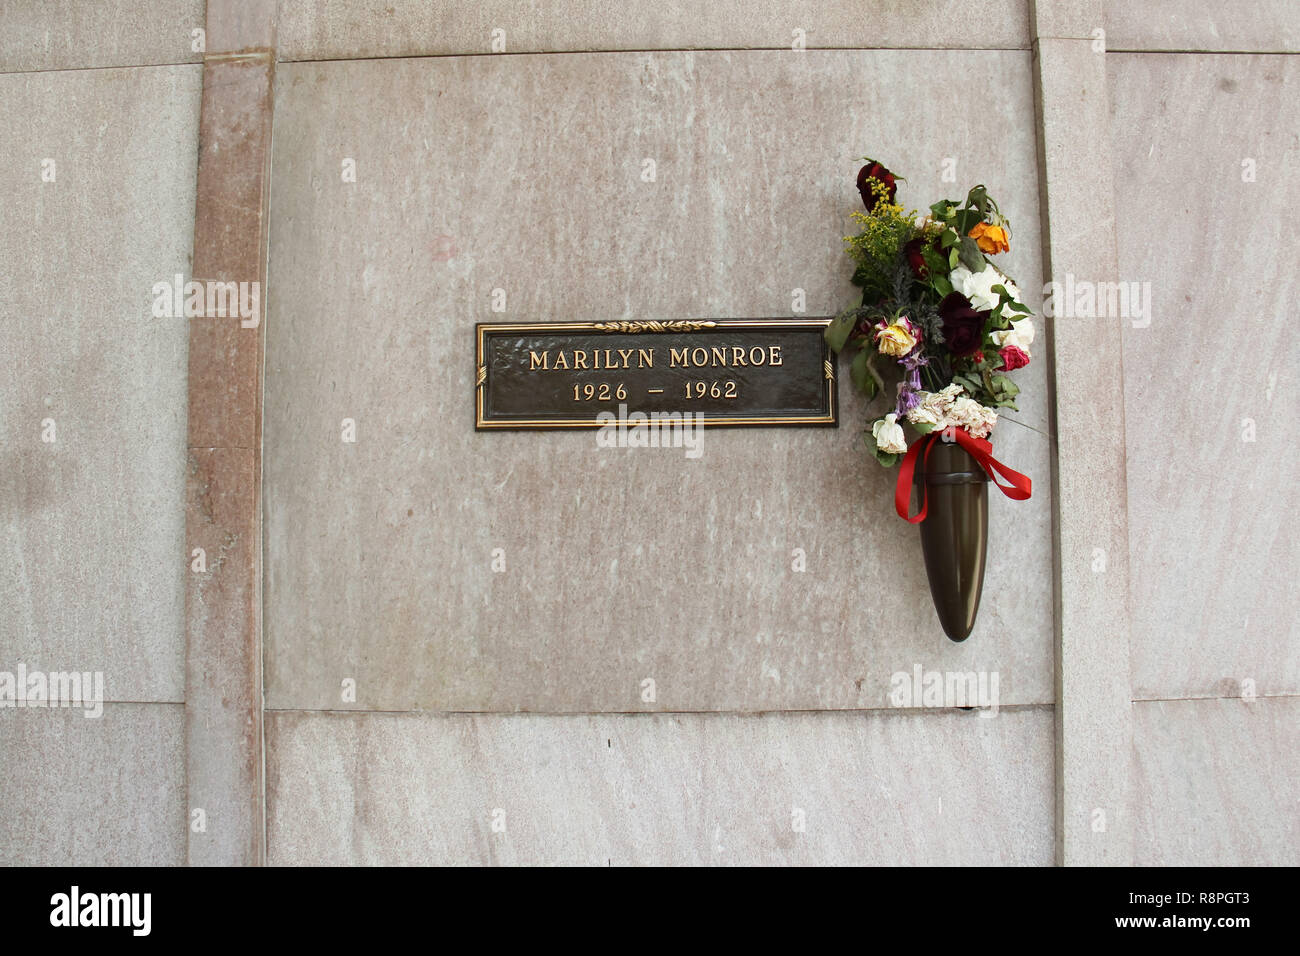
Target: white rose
889 435
934 407
978 286
971 415
1021 335
924 414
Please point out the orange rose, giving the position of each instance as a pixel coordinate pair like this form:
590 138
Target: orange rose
990 239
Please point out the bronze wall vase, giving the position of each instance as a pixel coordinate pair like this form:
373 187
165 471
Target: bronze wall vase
954 534
950 472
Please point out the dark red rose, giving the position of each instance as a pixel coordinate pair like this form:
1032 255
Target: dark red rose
963 326
912 249
873 170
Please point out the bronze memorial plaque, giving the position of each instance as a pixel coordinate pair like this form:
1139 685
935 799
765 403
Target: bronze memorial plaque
724 371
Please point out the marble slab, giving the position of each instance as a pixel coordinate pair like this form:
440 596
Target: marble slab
92 549
1091 530
75 35
1210 375
779 789
1268 26
223 691
1217 782
105 791
619 566
316 30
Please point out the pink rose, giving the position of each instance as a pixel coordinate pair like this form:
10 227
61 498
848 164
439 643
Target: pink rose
1013 358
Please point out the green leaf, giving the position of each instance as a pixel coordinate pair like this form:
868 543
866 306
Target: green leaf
966 220
923 428
860 372
941 286
1002 387
953 258
970 255
884 458
948 239
935 263
838 332
1007 302
942 210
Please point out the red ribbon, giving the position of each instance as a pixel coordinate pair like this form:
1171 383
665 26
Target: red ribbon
1020 487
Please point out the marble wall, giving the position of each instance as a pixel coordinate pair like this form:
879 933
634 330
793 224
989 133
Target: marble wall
313 30
97 188
1269 26
1215 782
1209 379
42 35
424 707
523 174
658 790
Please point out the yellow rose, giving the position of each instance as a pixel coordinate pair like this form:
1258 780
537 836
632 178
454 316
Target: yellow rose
990 239
896 338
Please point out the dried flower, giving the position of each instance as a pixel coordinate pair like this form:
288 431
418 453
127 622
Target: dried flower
991 239
896 338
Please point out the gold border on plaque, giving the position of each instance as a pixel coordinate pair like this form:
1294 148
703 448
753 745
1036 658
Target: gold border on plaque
671 325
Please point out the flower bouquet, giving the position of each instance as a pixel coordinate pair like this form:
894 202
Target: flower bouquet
944 326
